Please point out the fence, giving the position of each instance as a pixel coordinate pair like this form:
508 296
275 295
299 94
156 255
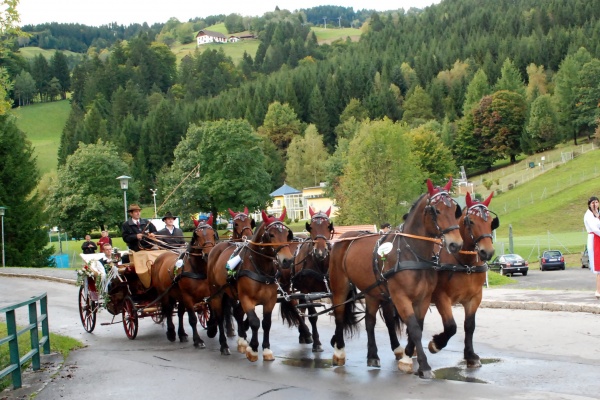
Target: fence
13 337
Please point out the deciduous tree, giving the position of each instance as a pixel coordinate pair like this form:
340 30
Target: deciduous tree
85 195
307 158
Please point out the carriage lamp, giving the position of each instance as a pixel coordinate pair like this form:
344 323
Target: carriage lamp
124 180
2 216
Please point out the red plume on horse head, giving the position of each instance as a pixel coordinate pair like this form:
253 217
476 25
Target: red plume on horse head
234 214
269 220
470 202
312 212
435 190
209 221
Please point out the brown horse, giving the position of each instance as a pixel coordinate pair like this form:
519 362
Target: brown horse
310 271
187 284
396 269
255 284
461 276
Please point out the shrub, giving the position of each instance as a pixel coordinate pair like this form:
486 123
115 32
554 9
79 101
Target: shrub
487 184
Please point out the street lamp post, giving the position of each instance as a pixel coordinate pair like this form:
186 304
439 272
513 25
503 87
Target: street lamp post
124 179
154 195
2 216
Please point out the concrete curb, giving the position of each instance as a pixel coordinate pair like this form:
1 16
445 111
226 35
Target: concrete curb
43 277
540 306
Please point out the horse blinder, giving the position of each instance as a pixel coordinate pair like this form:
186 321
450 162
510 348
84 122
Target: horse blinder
495 223
458 212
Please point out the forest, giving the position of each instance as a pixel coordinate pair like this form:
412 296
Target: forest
459 83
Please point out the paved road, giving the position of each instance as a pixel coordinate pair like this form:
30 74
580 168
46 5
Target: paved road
528 355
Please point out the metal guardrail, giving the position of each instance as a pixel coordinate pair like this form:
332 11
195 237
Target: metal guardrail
12 339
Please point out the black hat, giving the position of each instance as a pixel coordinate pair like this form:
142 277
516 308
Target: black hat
385 225
168 215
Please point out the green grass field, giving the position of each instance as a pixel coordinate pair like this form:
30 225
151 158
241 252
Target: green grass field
31 52
43 124
332 34
233 50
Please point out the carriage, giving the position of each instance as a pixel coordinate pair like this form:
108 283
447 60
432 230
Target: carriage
125 292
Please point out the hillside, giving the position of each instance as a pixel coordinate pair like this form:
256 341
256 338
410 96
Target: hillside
43 123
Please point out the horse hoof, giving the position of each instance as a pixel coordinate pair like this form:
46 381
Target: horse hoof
268 355
171 336
225 352
242 345
305 339
200 345
474 363
339 356
251 355
317 349
373 362
426 374
405 364
399 353
433 348
211 332
183 339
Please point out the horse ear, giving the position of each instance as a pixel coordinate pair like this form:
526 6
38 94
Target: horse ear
310 211
468 200
430 188
307 227
487 201
458 212
265 217
253 223
283 214
210 220
328 211
246 210
495 223
231 213
196 222
448 185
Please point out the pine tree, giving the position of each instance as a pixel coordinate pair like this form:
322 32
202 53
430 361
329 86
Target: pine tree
25 238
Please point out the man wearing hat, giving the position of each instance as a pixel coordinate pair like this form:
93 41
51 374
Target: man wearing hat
135 228
170 234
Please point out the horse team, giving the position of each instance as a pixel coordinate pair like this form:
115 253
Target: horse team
438 255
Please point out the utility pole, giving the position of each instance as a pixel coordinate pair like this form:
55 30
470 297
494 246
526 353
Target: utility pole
325 22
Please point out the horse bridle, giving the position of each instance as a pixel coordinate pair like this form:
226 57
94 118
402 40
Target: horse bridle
202 227
483 212
242 217
445 198
319 218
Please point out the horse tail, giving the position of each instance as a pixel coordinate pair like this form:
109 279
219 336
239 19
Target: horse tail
350 321
289 313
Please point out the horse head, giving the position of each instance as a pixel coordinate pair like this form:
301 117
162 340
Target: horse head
243 225
440 213
204 237
476 226
320 229
273 230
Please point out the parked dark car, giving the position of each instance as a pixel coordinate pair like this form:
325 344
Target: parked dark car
508 264
585 259
552 259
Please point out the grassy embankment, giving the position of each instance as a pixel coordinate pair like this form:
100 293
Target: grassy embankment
58 344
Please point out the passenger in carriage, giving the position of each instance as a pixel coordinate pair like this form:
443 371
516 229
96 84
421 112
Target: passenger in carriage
138 232
385 228
170 236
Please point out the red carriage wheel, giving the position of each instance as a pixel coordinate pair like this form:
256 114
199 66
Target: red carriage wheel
203 315
87 310
130 318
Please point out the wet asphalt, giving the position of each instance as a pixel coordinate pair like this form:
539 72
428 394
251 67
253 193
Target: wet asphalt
527 352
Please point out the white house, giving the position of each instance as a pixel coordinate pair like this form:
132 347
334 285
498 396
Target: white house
233 39
204 37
